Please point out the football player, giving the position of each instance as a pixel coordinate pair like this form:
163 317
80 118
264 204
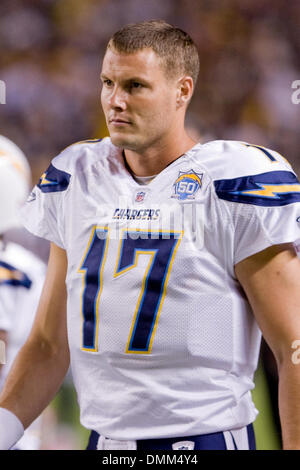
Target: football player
21 272
170 257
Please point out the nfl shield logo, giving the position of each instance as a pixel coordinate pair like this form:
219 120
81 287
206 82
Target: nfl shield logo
140 196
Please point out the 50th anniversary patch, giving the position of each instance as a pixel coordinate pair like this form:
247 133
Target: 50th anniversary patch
187 184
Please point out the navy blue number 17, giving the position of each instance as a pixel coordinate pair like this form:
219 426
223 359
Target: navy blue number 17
160 247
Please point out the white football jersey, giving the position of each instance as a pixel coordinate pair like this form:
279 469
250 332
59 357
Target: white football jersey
22 275
162 338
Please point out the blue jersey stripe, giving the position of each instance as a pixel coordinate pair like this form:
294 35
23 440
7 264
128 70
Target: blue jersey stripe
275 188
13 277
54 180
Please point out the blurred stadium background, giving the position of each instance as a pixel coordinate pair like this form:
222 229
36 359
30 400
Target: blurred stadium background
50 61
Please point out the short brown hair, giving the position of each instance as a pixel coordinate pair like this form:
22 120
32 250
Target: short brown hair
175 47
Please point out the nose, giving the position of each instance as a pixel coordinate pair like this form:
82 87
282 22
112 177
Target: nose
117 98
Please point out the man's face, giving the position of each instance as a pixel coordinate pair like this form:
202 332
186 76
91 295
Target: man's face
138 99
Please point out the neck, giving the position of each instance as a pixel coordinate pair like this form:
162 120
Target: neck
154 159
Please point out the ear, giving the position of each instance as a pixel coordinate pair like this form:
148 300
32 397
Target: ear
185 88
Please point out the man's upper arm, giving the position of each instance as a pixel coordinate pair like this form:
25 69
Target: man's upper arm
271 281
50 323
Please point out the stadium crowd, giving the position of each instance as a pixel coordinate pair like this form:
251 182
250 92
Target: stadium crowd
50 62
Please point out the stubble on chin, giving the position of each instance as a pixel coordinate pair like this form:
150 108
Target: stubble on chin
124 142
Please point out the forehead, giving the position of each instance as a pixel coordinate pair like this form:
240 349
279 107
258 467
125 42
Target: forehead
144 63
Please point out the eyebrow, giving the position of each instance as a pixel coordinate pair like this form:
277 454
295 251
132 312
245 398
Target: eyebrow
131 79
102 76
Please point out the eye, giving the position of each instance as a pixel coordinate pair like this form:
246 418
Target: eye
135 85
107 82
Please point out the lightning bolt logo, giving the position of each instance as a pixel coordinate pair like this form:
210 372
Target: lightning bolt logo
270 190
10 275
54 180
44 180
274 188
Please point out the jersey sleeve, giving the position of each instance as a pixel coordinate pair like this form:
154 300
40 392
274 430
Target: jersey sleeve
7 305
43 212
264 207
257 228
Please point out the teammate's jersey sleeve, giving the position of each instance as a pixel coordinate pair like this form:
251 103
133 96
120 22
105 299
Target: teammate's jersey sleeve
7 303
11 278
260 193
43 213
15 264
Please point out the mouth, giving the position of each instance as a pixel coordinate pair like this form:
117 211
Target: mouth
119 122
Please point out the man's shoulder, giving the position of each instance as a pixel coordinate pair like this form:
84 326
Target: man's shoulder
78 159
83 154
250 173
227 159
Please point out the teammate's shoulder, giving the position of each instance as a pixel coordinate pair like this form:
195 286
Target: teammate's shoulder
18 266
231 159
21 257
77 157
